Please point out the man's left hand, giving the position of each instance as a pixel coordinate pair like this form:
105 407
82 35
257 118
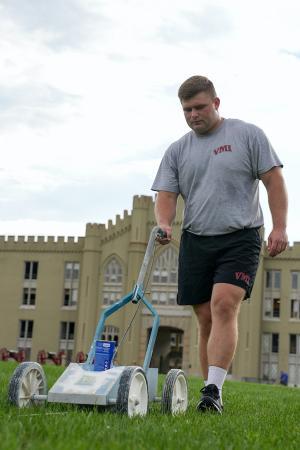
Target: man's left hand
277 242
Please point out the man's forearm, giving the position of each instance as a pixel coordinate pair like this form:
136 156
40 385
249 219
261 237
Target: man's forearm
165 208
278 203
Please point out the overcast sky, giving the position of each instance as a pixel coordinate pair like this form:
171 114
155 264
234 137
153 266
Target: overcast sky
88 98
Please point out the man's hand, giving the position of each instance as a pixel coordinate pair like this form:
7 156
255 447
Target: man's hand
277 242
167 237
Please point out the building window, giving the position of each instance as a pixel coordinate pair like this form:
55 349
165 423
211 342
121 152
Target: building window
72 271
31 270
110 297
165 270
176 340
113 272
276 307
295 295
66 344
295 280
70 296
155 277
270 371
294 360
172 298
67 330
275 342
154 298
26 329
163 298
270 342
295 309
110 333
25 337
164 278
273 279
271 308
277 282
173 276
269 356
29 296
71 284
113 282
293 344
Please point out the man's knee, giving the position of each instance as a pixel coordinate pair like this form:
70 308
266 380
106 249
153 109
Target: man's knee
226 301
225 308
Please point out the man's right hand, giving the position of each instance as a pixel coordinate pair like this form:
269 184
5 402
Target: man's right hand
167 235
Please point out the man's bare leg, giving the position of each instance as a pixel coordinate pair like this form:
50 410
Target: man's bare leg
203 314
225 304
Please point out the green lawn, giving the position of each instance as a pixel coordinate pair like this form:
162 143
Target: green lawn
255 417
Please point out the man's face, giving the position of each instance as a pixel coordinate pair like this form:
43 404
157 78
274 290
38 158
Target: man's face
201 112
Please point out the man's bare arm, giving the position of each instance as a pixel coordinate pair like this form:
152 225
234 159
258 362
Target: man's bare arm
278 203
165 211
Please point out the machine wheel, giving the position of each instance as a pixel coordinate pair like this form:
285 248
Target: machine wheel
27 380
132 398
175 393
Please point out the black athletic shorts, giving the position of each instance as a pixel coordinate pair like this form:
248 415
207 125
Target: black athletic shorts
205 260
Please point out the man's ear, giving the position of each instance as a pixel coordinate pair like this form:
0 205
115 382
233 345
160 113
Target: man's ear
217 103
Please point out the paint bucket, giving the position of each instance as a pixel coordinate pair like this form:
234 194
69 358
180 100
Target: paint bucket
104 353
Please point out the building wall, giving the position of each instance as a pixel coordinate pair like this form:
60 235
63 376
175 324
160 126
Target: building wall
48 311
124 242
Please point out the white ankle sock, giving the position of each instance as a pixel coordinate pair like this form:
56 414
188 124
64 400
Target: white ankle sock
216 375
205 382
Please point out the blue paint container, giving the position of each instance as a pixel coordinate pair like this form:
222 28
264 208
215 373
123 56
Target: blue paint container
104 353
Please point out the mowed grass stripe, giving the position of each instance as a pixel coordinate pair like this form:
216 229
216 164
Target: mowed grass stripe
255 417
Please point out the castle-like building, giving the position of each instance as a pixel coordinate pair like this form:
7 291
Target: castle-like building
53 291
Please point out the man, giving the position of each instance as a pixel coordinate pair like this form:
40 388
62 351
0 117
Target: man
216 167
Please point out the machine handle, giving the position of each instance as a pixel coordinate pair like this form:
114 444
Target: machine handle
156 232
139 287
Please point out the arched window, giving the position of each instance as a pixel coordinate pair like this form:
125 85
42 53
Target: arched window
113 272
165 269
164 278
113 281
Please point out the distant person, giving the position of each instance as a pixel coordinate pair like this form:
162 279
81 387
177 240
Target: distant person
216 167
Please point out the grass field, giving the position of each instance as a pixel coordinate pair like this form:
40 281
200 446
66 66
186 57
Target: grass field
255 417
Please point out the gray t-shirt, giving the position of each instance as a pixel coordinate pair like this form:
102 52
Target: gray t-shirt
217 175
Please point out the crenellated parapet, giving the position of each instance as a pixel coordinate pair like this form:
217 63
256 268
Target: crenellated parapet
142 202
94 229
41 243
118 227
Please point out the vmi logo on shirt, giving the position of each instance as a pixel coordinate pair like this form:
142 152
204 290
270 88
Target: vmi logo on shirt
223 148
